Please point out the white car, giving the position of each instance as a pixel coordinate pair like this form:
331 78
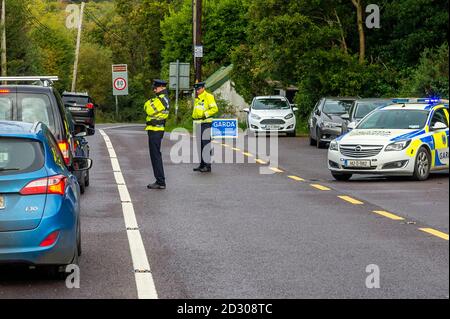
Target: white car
398 139
271 114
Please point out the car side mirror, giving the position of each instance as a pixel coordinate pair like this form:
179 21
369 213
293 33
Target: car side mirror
295 109
351 125
246 110
80 130
345 116
317 112
81 164
438 126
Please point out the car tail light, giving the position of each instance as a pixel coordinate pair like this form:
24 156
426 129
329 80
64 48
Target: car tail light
90 106
50 239
4 91
64 147
48 185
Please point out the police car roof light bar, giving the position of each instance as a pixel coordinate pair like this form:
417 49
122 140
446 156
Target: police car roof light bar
45 80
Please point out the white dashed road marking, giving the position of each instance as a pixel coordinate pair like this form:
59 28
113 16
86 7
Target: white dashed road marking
143 276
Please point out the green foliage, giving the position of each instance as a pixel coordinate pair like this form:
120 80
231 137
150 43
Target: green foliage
430 78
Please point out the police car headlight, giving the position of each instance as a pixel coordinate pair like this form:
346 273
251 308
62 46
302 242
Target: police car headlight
289 116
334 146
398 146
332 124
255 117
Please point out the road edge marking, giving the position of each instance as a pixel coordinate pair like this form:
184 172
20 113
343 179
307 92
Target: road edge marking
145 284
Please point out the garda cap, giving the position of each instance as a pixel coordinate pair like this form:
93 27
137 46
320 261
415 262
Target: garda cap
199 85
159 83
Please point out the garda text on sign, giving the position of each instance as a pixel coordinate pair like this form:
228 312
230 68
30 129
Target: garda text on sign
120 79
224 128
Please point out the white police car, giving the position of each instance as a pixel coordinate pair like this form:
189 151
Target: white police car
399 139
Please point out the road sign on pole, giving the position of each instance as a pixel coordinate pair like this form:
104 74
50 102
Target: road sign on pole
179 79
119 82
120 79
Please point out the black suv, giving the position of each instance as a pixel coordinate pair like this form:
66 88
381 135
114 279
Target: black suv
38 102
82 108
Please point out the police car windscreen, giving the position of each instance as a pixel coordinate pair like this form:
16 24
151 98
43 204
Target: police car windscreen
18 155
270 104
395 120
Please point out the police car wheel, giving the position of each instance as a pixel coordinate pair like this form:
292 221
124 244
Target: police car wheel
422 165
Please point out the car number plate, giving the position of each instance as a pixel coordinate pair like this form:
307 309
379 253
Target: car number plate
357 163
73 108
2 202
272 127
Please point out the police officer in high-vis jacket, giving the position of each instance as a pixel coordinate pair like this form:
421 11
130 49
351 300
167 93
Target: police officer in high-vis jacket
157 110
205 108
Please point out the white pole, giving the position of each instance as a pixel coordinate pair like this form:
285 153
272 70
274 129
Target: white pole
77 50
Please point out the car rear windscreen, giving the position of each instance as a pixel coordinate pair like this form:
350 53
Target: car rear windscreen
79 100
31 107
18 155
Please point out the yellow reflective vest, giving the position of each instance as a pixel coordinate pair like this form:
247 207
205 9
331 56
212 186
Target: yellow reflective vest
205 107
157 110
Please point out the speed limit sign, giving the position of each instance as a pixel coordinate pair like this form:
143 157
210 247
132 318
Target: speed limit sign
120 79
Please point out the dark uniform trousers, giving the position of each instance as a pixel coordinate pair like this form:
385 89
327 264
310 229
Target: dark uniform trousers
154 145
205 154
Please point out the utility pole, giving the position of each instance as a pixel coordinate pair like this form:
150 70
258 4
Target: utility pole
197 37
3 44
77 50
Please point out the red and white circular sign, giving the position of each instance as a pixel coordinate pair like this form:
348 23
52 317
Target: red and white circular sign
120 84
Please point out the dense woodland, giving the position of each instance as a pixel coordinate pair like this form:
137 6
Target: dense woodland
315 45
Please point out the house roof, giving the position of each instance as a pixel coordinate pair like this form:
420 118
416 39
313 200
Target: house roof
218 78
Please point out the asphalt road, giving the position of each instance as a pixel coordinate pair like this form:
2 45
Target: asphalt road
236 233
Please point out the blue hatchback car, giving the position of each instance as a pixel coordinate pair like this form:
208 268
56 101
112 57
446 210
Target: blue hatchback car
39 199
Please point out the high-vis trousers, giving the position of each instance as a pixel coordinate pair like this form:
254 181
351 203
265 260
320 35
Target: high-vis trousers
154 145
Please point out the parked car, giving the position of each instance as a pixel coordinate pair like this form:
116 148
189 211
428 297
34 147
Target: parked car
359 109
325 121
39 199
82 107
271 114
38 101
81 147
410 139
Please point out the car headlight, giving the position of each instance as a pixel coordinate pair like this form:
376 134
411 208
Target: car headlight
331 124
255 117
398 146
334 146
289 116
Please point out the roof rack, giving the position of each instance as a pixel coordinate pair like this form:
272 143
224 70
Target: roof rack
76 93
37 80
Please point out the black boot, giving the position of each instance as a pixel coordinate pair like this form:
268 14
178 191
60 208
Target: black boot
206 169
156 186
198 169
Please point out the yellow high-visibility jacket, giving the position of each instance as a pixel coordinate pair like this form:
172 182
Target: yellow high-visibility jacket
205 107
157 110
